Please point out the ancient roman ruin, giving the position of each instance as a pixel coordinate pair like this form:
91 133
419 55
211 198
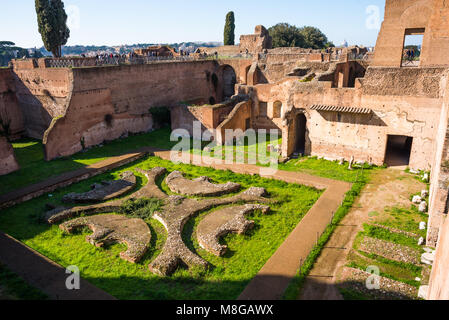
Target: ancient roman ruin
175 212
336 104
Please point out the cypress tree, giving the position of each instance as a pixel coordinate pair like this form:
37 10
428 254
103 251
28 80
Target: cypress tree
229 36
52 22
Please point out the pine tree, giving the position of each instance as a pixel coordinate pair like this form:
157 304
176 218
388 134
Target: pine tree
52 22
229 36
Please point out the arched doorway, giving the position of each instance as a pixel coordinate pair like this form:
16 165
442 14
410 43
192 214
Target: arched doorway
300 131
229 81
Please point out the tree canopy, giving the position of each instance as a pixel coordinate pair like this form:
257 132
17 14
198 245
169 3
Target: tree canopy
9 51
314 38
286 35
52 22
229 30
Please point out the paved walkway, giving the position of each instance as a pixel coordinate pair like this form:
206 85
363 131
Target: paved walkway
36 190
44 274
273 279
387 188
269 284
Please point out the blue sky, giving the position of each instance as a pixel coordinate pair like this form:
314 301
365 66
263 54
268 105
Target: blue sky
114 22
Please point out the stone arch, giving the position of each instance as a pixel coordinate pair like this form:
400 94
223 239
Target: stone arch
247 68
416 16
294 132
229 80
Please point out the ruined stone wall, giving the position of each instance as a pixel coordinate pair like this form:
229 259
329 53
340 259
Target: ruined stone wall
10 113
257 42
400 107
209 116
438 200
137 88
240 66
276 66
222 50
8 162
42 95
346 73
439 280
108 102
237 120
401 15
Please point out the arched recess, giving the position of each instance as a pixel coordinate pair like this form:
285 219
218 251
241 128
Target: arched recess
300 133
295 133
277 109
229 80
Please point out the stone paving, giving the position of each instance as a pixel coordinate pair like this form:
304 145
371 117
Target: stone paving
222 222
105 191
198 187
390 250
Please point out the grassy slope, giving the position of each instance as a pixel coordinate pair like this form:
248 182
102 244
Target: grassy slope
401 219
227 277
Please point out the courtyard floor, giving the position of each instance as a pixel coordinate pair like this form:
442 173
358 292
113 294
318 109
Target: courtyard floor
228 277
286 256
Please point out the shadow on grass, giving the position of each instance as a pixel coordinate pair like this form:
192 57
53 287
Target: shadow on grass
34 169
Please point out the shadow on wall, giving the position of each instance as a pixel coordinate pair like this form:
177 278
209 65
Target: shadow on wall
224 81
357 119
36 117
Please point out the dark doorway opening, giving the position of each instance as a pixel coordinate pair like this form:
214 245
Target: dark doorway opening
247 124
229 82
301 127
351 79
398 152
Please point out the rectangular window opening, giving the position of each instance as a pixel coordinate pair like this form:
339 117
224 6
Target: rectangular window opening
411 53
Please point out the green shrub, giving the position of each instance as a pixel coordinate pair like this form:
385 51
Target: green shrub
141 208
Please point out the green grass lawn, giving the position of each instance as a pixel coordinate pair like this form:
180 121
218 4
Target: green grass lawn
325 168
33 167
227 276
405 219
